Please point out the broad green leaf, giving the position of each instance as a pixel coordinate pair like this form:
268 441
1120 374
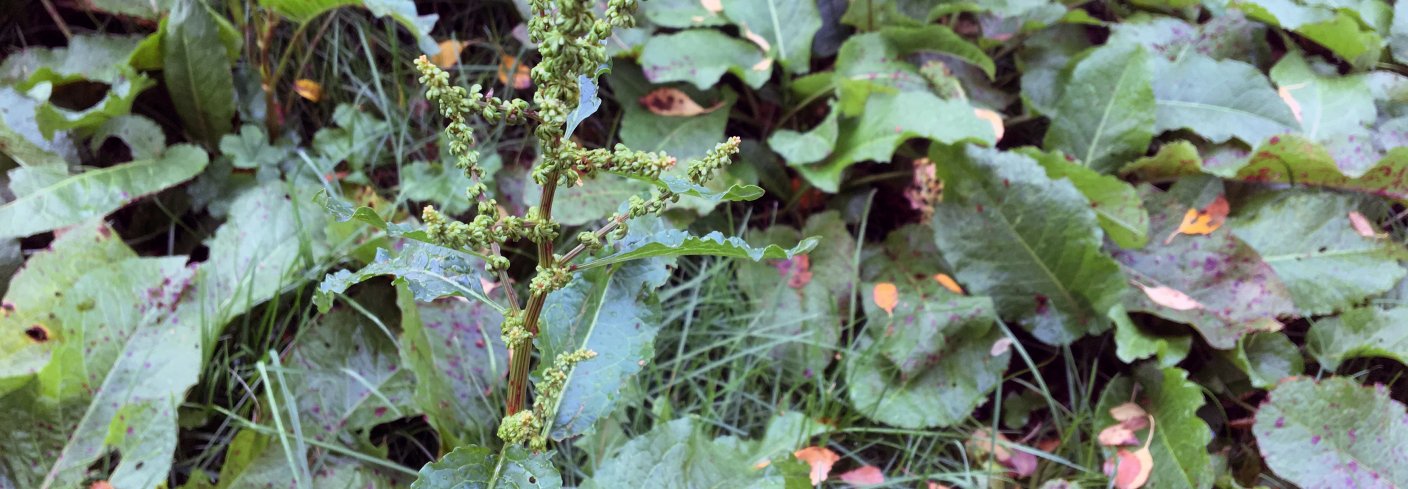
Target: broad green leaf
96 193
1173 160
914 333
786 25
865 64
869 16
611 311
1030 242
342 211
734 193
1044 61
685 138
1181 438
1218 100
402 11
455 349
144 9
345 377
680 454
944 394
655 239
272 239
1237 290
1105 115
115 103
1334 110
1115 202
1333 433
430 271
1345 36
476 467
800 148
802 298
197 72
357 139
250 149
909 255
887 122
98 58
1358 333
143 137
439 184
37 289
116 351
681 14
1307 238
20 137
935 38
1133 342
701 57
1268 357
1228 35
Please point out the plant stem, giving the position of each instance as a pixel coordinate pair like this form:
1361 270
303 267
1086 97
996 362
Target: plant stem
521 355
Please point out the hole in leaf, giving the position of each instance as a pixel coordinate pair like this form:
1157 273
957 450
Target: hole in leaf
38 333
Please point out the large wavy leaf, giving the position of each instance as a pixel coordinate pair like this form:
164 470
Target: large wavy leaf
608 310
1030 242
1359 333
476 467
654 238
197 72
1181 438
455 349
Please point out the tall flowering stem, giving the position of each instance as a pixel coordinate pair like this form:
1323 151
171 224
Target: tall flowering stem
571 41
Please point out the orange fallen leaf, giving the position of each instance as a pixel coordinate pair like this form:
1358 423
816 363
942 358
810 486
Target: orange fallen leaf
1130 469
1170 298
1290 100
1203 221
948 283
449 54
101 485
867 475
1019 463
764 65
308 89
714 6
1362 226
820 459
935 485
993 118
522 75
887 296
674 103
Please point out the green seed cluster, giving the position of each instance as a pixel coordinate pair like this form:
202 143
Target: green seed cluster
550 279
700 172
550 389
512 330
521 428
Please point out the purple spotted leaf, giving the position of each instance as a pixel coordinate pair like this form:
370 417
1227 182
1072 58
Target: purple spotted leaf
914 334
454 348
1115 202
1227 36
1238 291
1334 433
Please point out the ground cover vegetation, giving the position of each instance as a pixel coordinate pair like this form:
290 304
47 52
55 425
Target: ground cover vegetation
703 243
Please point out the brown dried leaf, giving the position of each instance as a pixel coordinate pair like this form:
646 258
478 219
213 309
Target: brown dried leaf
672 102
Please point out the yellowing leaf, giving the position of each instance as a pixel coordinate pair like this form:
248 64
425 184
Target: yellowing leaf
714 6
993 118
1170 298
868 475
1203 221
308 89
522 74
887 296
1362 226
674 103
820 459
449 54
949 283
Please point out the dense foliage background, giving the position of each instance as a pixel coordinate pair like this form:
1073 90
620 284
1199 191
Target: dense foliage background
1154 243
